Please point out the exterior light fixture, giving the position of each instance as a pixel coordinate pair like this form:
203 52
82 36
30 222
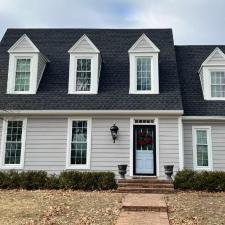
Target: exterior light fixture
114 129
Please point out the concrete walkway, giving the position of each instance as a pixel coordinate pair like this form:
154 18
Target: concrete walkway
143 209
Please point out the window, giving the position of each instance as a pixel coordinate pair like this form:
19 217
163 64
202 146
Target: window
83 75
79 143
85 67
13 145
218 83
202 148
22 78
143 73
26 67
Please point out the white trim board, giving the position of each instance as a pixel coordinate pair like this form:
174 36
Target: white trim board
93 112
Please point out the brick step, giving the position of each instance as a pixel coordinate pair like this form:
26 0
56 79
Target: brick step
144 208
145 190
144 178
146 185
142 181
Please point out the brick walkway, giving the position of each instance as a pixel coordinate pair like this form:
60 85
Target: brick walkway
143 209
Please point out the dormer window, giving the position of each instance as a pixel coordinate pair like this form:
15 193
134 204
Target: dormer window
26 66
218 84
212 76
144 74
85 64
22 76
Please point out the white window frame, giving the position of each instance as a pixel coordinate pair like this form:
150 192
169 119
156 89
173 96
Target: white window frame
3 144
12 72
209 142
206 82
154 73
69 138
73 73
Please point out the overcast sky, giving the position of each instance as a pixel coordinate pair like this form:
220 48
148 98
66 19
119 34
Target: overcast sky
193 21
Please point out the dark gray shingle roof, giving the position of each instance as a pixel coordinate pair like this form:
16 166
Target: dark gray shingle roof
114 80
189 60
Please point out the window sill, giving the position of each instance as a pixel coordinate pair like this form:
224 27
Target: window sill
12 167
203 169
78 167
144 93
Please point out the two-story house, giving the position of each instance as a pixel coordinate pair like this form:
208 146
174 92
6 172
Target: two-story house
61 90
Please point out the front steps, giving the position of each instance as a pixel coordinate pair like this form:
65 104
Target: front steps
145 185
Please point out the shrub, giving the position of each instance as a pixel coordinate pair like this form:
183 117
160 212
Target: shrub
205 180
75 180
33 180
87 180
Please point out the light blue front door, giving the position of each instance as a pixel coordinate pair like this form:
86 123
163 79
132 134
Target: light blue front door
144 150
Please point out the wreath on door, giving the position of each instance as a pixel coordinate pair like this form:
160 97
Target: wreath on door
144 138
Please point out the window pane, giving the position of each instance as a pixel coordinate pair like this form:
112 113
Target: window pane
79 142
143 73
83 76
218 84
201 137
13 142
22 79
202 155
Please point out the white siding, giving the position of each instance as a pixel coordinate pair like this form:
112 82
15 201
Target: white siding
168 144
105 154
218 144
144 46
216 59
46 144
41 66
83 46
24 46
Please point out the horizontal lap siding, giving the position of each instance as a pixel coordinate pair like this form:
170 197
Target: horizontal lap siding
46 144
218 144
105 154
168 144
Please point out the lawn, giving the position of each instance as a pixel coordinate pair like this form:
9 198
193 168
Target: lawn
196 208
58 207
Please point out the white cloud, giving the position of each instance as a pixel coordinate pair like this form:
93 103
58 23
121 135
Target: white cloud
193 22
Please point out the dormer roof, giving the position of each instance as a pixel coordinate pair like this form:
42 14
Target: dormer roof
143 44
84 45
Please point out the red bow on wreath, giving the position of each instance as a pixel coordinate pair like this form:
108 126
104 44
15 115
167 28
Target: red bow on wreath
144 138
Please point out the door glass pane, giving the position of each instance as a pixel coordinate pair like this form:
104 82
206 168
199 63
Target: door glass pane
144 139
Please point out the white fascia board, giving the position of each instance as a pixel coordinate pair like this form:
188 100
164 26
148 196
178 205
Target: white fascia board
93 112
200 118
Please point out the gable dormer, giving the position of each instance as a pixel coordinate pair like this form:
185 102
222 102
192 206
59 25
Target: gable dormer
212 76
144 72
26 66
85 66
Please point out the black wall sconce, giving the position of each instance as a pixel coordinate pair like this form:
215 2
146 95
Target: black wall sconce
114 130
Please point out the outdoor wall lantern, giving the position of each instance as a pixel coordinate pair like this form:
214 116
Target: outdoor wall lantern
114 129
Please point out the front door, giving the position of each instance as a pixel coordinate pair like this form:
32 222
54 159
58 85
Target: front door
144 150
